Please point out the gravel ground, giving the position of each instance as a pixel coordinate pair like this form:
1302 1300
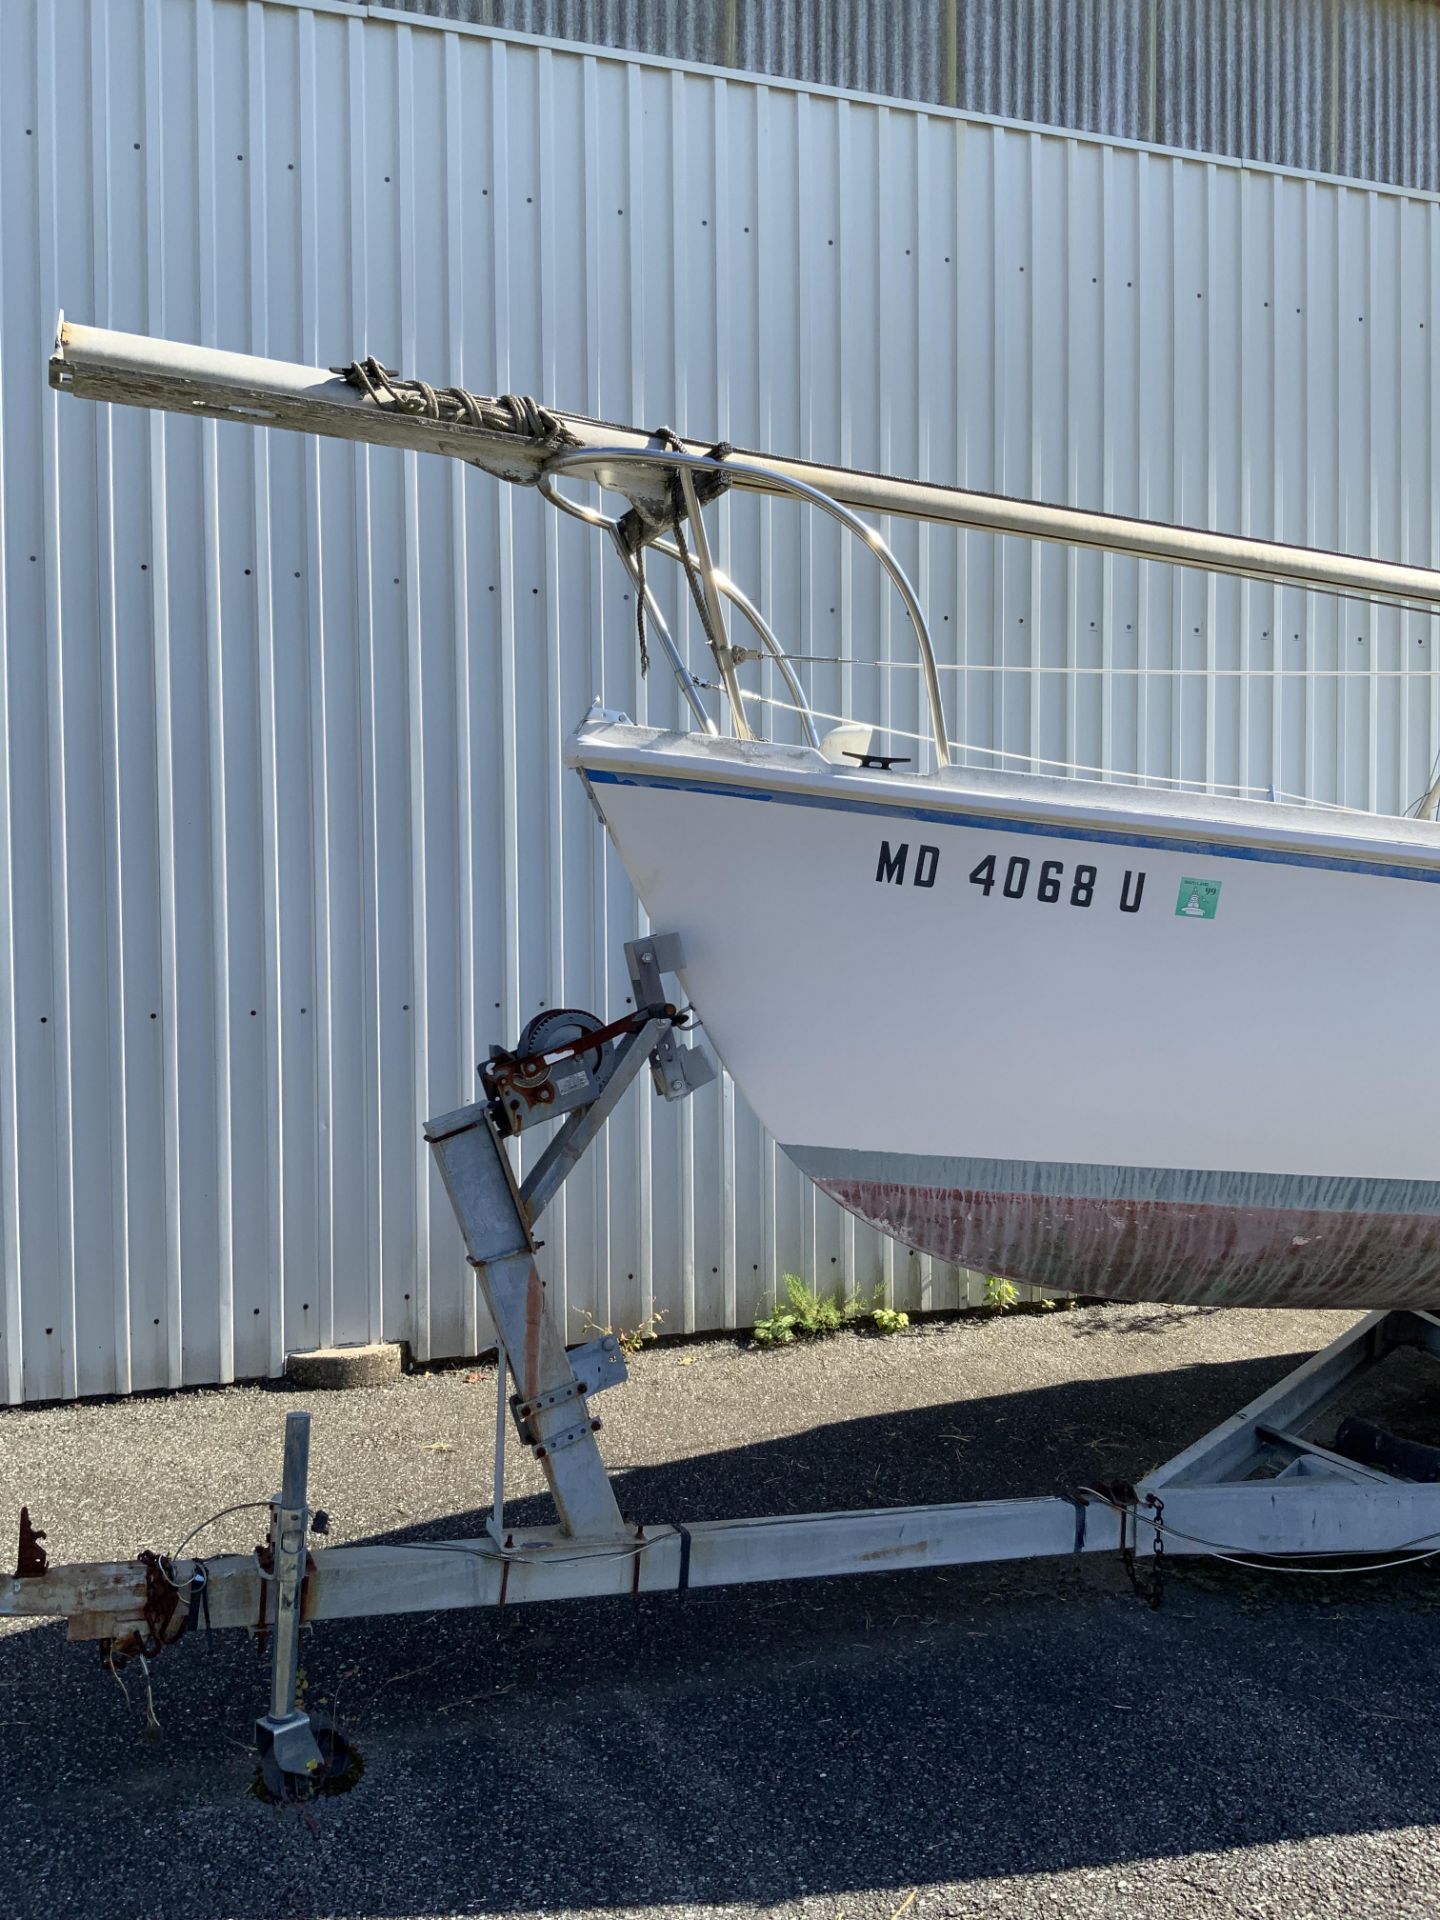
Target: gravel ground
1028 1740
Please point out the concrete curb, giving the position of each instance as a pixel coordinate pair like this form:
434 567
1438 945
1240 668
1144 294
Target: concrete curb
371 1366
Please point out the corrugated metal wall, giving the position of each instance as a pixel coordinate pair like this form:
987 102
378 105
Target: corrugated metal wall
1339 86
284 835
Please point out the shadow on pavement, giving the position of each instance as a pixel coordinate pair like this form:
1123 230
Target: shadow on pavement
749 1747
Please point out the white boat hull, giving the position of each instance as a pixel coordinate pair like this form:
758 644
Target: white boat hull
1088 1037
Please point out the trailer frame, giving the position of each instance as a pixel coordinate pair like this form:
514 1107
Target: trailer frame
1257 1488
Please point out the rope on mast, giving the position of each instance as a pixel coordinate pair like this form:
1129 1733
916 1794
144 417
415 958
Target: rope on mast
513 413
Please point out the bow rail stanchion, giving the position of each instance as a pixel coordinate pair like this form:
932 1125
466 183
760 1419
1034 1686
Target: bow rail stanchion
1265 1484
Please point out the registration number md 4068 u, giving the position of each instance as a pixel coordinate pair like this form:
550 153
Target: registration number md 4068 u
1076 883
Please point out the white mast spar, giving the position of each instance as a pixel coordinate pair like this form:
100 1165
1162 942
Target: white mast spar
516 440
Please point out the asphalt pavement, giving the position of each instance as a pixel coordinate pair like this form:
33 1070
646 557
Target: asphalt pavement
1016 1741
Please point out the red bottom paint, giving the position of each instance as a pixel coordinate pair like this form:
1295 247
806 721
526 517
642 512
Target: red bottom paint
1164 1250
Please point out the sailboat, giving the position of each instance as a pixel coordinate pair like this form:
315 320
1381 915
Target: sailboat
1093 1036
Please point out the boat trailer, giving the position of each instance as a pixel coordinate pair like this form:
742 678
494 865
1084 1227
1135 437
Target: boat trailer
1256 1489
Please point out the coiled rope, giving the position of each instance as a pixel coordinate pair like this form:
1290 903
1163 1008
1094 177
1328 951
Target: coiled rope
512 413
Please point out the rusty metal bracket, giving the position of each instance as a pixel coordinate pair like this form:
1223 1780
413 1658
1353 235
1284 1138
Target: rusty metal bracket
162 1602
523 1088
165 1620
32 1560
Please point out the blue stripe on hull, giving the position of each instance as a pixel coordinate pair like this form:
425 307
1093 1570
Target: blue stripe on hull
1001 823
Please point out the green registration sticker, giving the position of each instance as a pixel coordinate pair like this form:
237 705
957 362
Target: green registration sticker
1198 899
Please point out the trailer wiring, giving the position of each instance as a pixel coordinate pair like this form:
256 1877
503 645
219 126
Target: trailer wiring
165 1562
1234 1556
152 1719
478 1549
541 1557
1402 1559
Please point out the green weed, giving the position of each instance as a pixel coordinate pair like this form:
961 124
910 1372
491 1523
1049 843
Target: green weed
807 1314
1000 1294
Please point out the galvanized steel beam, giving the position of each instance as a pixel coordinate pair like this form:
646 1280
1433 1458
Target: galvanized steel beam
1303 1516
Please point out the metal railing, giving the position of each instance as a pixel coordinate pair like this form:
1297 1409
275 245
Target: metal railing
594 463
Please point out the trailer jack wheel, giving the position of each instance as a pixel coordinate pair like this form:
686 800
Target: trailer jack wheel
339 1767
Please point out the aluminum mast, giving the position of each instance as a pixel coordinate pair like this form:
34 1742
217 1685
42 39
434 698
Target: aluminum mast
135 370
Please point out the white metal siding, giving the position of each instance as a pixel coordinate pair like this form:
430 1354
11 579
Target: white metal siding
1343 86
285 839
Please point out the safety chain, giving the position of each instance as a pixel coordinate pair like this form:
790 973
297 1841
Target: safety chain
1151 1586
513 413
1125 1500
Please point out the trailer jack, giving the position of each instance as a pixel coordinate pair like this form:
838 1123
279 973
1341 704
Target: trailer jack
1260 1486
